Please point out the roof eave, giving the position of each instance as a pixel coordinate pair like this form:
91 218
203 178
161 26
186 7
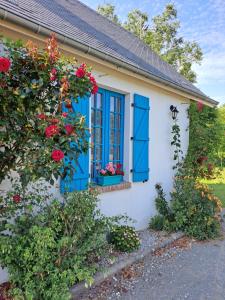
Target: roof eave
40 29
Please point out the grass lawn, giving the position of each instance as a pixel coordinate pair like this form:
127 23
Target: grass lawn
218 186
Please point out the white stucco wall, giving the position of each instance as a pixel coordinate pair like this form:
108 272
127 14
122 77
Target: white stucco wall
138 201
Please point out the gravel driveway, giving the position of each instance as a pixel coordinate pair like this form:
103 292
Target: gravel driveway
186 270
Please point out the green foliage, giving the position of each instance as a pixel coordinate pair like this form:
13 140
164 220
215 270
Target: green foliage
204 138
221 133
162 36
157 223
176 143
32 92
137 23
51 245
108 10
124 238
194 209
162 205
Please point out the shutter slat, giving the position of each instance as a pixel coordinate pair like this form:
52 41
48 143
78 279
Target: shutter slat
141 139
80 178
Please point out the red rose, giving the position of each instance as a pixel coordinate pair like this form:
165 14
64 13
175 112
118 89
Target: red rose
80 73
4 64
57 155
51 131
64 114
94 89
54 121
92 80
200 106
53 71
16 198
69 129
41 116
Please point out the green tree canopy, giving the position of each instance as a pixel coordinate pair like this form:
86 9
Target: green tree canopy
162 36
108 10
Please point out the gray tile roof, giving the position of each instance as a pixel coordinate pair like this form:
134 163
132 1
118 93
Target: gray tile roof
78 22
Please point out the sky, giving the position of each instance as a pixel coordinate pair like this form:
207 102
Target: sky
202 21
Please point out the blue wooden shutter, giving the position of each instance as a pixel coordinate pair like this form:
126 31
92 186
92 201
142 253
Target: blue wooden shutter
141 139
80 178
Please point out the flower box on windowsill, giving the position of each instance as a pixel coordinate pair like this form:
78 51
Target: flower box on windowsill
109 180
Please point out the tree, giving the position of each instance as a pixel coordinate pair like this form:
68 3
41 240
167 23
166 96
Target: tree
137 23
162 36
108 10
35 135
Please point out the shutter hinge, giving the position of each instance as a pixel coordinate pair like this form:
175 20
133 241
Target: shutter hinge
132 104
131 170
132 138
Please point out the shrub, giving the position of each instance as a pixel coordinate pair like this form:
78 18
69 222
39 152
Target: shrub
124 238
193 208
157 223
48 252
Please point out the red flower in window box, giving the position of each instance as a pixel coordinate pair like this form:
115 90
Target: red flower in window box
57 155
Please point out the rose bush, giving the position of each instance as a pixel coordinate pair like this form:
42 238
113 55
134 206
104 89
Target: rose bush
34 86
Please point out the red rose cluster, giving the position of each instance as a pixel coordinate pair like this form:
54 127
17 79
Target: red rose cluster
51 131
57 155
4 64
82 72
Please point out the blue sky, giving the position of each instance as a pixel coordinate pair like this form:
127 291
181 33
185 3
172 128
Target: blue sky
202 21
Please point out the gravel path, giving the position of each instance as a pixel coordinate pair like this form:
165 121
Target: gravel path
185 270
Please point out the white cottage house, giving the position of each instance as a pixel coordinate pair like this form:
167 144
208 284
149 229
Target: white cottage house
130 116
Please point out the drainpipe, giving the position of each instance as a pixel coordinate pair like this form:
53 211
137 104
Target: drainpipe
39 29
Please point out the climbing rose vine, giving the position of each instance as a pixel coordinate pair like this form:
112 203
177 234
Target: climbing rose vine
35 135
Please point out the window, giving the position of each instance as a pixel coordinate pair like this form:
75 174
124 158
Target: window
107 124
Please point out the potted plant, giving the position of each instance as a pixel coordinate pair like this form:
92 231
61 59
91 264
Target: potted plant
111 175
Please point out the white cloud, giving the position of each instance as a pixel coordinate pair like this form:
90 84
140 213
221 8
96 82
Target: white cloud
212 68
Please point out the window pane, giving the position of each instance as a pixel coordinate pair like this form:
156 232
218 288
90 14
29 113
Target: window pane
98 136
117 137
92 101
118 122
117 153
112 104
92 116
98 153
111 154
112 120
99 101
118 104
112 137
98 118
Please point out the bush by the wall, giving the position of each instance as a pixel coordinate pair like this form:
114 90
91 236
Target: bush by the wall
194 209
124 238
48 252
